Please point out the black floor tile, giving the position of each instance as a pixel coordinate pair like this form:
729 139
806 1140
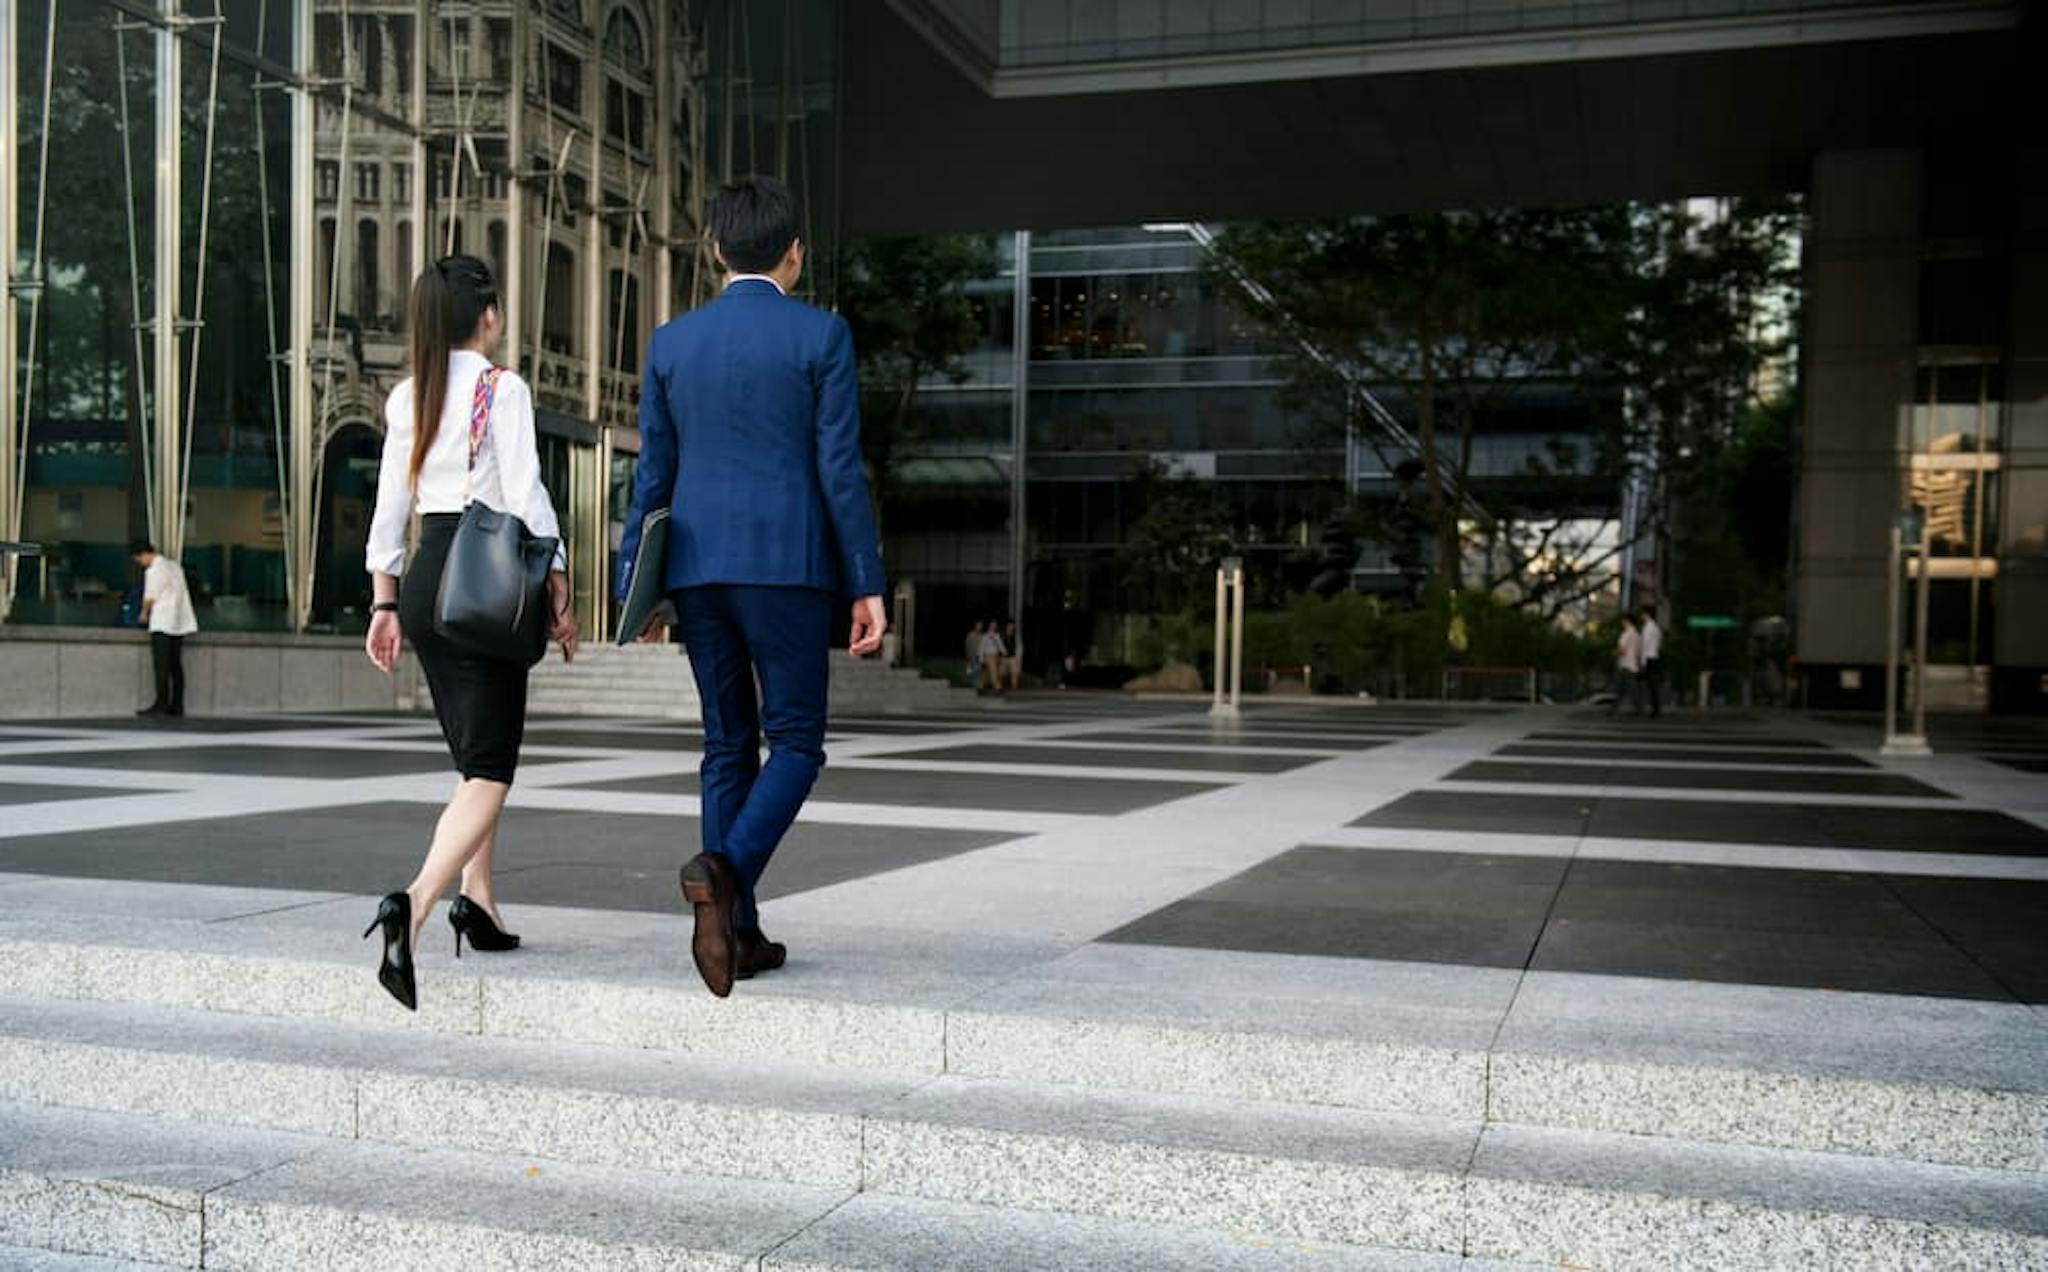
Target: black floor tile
213 724
1999 922
1959 830
1277 741
1341 902
1612 751
1797 928
679 739
956 790
1972 830
1806 929
857 727
1713 779
1714 821
2024 764
251 761
1295 728
543 856
1105 757
1770 741
1479 811
34 793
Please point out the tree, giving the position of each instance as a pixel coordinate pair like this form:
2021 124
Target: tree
1716 298
1172 547
1674 309
1457 309
913 321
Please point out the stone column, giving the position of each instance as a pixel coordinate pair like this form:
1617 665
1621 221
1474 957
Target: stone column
12 500
1861 337
165 395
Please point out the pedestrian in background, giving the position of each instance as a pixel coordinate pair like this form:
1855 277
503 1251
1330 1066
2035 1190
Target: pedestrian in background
990 657
1013 657
1653 662
972 660
167 613
1628 660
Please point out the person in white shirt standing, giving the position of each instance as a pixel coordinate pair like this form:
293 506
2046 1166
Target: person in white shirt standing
167 613
1653 663
1628 664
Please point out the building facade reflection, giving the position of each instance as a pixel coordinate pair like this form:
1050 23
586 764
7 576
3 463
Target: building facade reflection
213 274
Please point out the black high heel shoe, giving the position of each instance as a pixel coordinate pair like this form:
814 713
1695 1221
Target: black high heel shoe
394 973
473 921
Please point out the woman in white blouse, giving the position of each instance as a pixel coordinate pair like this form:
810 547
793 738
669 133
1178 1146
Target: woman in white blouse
459 429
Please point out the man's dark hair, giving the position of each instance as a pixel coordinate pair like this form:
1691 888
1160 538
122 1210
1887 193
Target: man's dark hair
136 547
753 221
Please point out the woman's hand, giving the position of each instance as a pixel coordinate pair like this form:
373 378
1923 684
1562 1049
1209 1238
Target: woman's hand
562 627
384 640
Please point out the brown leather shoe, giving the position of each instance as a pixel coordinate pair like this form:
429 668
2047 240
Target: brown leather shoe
711 889
759 954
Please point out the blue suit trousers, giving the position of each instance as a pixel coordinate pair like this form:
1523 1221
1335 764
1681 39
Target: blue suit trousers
738 635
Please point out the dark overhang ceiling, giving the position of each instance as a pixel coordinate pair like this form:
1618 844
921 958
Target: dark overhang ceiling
928 149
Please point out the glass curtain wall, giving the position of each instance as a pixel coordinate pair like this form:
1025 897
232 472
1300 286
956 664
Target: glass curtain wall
219 208
85 205
1153 409
234 220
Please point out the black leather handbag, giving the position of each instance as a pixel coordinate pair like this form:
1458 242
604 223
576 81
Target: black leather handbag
493 598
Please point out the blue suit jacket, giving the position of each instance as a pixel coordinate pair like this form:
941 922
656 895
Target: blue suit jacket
750 435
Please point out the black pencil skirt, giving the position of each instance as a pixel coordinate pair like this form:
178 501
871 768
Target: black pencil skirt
481 702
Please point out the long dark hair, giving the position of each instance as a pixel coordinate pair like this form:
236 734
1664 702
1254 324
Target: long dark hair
448 301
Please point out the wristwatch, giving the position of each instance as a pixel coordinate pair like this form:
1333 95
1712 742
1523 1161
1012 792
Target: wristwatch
384 607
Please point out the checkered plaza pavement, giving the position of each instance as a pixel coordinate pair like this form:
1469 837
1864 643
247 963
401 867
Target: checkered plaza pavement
1400 985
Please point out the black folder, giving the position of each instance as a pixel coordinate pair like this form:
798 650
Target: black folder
645 596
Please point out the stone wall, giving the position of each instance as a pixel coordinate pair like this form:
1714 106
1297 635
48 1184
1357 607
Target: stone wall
49 672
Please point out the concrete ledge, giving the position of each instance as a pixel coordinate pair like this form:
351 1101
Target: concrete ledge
59 672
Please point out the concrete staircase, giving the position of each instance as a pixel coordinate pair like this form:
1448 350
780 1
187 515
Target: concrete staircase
615 680
655 681
244 1096
865 685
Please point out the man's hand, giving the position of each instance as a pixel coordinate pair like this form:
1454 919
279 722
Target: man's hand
870 620
383 641
656 630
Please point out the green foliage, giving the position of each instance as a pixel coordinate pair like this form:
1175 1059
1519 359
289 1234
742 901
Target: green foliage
1674 307
1500 634
1734 526
1169 556
1159 639
906 301
1354 641
1456 308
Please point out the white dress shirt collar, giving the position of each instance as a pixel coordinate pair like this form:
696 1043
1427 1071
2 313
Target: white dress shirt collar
759 278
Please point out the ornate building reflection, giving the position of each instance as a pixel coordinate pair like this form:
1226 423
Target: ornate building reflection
210 317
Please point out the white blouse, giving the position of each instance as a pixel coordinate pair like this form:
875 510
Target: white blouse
507 474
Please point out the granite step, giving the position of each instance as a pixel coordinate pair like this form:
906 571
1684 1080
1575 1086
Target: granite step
25 1259
1929 1080
131 1187
1336 1175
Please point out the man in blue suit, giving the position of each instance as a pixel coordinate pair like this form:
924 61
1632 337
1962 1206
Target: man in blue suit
750 435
